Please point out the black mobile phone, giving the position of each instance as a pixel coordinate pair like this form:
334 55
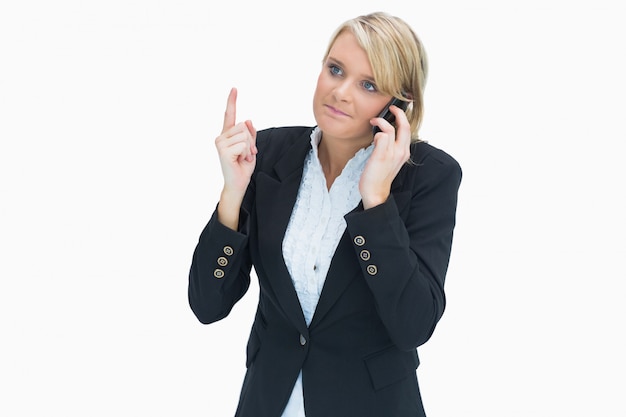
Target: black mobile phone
388 115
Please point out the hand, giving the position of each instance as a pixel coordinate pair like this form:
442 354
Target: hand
391 151
237 150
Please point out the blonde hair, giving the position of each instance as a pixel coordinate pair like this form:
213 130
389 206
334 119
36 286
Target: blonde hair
397 57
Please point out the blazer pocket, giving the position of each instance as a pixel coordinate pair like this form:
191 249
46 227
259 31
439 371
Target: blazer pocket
255 339
391 365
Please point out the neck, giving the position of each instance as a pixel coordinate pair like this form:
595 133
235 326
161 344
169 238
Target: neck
334 155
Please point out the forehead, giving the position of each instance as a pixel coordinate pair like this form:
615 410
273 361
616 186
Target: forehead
346 49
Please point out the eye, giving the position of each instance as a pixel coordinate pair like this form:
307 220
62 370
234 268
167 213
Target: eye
369 86
335 70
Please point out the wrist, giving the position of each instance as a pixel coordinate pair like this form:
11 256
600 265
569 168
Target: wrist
231 195
229 207
373 201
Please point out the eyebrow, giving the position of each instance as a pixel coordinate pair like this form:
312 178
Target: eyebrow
341 64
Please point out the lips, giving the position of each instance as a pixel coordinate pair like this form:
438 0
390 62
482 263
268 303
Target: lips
336 111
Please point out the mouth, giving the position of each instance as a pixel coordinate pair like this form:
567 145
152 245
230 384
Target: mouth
335 111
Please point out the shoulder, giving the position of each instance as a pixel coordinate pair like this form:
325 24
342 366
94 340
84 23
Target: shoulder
431 165
423 152
282 137
276 142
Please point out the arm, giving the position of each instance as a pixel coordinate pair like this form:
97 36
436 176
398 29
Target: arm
406 262
220 270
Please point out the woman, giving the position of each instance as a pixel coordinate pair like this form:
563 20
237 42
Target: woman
349 234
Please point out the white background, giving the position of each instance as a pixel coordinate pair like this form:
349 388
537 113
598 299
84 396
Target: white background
108 172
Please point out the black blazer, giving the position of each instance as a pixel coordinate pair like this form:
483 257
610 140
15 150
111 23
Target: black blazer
382 297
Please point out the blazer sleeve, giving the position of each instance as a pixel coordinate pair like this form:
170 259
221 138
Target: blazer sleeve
404 262
220 268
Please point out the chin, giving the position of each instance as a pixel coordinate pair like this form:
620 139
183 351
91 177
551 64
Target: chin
331 129
332 126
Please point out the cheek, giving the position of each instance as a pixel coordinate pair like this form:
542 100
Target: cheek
322 89
317 96
374 109
322 83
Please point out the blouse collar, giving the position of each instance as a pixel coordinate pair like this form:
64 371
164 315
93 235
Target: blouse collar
359 158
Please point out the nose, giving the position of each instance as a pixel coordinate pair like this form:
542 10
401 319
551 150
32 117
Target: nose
343 90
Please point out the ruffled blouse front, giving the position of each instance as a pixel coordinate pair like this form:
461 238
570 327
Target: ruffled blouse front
315 228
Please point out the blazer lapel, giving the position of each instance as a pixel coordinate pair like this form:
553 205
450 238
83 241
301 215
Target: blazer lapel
276 195
344 267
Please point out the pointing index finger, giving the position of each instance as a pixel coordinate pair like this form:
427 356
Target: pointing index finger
230 115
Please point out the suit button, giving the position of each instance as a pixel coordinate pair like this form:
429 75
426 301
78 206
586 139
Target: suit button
218 273
359 240
228 250
302 340
365 255
221 261
372 270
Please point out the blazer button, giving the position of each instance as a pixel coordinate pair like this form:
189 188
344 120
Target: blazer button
372 270
302 340
365 255
218 273
221 261
359 240
228 250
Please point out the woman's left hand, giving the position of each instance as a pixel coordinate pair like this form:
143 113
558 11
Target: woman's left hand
391 151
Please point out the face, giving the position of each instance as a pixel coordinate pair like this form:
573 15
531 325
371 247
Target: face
346 97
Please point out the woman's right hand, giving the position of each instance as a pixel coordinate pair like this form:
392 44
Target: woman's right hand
236 147
237 151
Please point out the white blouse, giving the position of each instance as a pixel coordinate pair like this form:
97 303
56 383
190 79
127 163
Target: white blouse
315 228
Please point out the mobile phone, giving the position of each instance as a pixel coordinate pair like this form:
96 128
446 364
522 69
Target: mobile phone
388 115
